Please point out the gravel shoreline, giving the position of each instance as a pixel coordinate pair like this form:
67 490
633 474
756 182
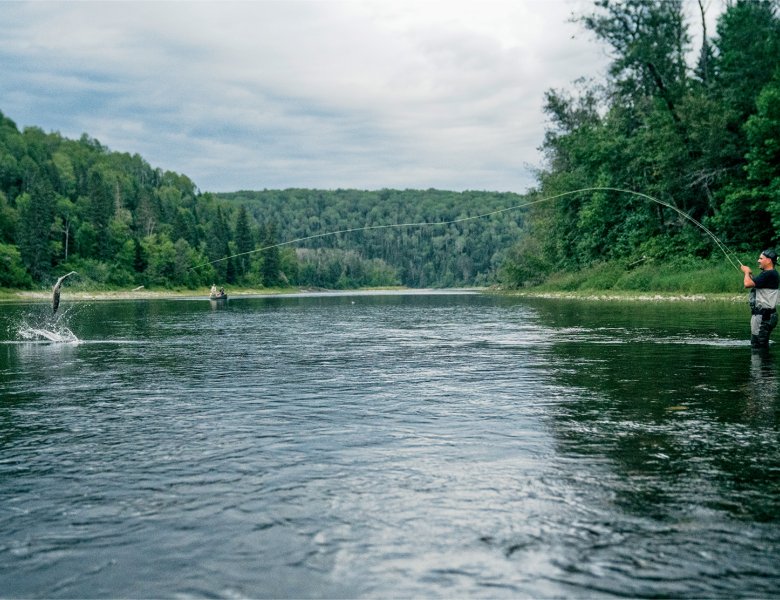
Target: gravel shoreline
632 296
143 294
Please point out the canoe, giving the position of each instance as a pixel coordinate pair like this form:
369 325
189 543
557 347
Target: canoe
218 297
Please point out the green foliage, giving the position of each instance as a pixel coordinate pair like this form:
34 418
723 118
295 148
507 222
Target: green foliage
763 135
706 142
12 271
524 264
343 269
8 220
66 203
399 228
683 276
93 273
650 42
270 267
36 215
170 263
748 48
763 156
244 242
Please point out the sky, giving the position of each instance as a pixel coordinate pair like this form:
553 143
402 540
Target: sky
274 94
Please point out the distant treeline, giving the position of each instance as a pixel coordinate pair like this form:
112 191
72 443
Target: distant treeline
75 205
393 237
705 139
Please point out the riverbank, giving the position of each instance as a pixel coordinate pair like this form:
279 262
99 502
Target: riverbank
135 294
626 296
79 295
148 294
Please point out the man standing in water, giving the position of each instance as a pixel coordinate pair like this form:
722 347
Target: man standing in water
763 298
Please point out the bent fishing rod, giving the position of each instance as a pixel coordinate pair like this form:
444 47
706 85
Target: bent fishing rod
717 241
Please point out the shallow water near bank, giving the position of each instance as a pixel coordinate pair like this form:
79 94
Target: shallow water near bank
375 445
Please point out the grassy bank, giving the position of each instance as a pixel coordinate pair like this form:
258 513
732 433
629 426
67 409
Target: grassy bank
689 278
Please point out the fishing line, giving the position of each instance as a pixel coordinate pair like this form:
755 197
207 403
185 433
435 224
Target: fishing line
718 243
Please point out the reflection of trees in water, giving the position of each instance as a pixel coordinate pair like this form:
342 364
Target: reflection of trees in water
674 423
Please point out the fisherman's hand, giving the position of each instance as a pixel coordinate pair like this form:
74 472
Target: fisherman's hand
745 269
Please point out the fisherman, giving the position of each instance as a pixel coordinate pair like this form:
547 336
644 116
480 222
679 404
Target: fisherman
763 298
213 289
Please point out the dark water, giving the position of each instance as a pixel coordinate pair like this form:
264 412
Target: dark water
388 446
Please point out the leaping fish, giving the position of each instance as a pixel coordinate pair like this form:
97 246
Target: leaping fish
55 292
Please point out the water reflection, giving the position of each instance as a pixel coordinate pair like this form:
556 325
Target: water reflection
763 388
413 446
682 425
220 304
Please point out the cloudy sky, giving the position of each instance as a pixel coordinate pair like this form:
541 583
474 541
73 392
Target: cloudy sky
328 94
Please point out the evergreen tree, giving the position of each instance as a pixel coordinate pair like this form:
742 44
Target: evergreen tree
244 241
36 217
231 275
12 273
139 257
748 55
101 209
219 245
271 266
8 220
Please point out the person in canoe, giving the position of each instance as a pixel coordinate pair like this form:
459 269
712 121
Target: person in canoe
217 295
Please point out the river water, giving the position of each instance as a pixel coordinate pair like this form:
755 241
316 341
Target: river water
387 445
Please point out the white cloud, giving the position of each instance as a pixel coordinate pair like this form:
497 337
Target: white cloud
328 93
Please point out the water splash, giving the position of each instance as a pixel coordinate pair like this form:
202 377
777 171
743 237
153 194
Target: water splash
61 335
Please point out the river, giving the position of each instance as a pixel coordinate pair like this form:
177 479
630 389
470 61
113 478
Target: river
387 445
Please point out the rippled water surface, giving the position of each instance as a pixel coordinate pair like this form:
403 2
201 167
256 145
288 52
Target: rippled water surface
387 445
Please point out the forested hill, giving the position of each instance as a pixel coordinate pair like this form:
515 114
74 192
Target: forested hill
696 127
700 135
400 230
76 205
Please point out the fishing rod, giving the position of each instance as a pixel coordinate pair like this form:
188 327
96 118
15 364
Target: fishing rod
717 241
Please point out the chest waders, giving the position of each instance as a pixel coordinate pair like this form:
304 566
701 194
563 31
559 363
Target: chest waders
763 308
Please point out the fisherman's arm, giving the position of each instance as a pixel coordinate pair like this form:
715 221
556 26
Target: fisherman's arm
748 281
